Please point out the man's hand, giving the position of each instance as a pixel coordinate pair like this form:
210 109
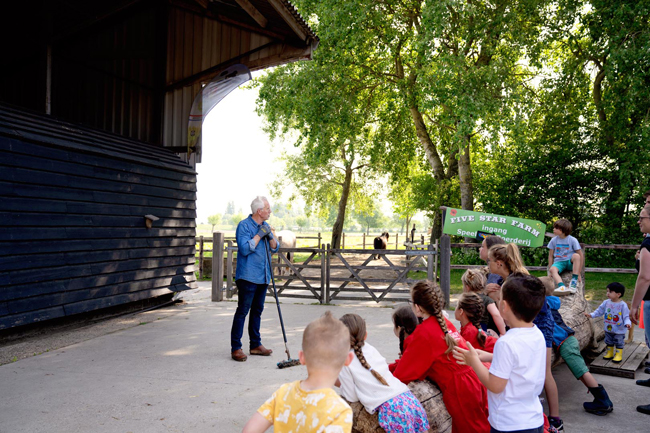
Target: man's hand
263 231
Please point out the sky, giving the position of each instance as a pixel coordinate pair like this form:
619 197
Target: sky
239 160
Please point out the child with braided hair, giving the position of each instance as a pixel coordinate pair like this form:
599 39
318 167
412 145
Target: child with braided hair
405 322
368 380
469 312
427 354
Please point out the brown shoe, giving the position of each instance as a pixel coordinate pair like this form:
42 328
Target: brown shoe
239 355
262 351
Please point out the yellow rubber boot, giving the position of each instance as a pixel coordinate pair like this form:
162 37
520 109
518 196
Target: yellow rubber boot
619 356
610 353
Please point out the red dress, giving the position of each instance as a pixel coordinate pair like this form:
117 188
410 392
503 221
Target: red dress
464 395
470 334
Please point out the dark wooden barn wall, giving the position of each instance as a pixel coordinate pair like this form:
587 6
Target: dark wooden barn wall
108 78
72 233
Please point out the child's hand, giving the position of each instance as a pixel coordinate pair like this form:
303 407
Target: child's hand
627 326
491 333
587 314
465 357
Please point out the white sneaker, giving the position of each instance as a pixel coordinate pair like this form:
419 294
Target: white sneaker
564 290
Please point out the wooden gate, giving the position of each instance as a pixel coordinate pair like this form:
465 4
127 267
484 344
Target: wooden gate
361 282
328 274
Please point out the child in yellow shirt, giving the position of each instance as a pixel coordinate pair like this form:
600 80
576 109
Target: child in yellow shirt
311 405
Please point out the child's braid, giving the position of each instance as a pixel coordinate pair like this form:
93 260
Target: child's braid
428 296
357 327
473 307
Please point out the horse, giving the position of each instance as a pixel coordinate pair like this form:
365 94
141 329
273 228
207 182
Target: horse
381 242
287 240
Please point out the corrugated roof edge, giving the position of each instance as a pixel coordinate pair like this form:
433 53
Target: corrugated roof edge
299 19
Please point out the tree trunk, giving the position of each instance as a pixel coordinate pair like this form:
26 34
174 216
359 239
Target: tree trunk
337 230
465 180
429 147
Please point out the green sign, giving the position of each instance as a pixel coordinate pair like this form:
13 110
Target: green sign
459 222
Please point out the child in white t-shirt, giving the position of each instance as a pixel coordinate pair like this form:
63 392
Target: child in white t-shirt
368 380
516 377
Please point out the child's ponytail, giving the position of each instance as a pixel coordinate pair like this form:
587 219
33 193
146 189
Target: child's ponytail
427 295
357 327
473 307
515 263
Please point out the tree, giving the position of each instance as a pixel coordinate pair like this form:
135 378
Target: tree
302 222
334 131
230 208
214 220
236 218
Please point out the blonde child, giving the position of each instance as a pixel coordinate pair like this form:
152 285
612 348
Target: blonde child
367 380
404 322
474 280
468 312
311 405
516 376
427 353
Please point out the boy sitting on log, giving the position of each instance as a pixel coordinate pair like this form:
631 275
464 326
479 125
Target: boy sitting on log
568 348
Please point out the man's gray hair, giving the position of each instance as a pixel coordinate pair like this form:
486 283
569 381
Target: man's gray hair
258 203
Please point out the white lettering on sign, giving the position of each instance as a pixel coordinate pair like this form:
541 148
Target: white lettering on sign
494 230
461 232
492 219
525 227
463 219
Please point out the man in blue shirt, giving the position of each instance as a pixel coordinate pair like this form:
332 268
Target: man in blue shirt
255 243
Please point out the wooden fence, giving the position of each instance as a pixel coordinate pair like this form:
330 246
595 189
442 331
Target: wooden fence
203 241
327 273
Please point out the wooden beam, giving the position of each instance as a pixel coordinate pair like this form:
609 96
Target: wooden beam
289 19
254 13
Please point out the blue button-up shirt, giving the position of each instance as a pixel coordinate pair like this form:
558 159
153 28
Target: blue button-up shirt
253 262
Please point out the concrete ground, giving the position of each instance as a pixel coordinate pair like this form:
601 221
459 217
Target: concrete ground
169 370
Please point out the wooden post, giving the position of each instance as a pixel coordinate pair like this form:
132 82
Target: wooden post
422 237
396 241
327 273
445 266
323 275
200 257
319 239
343 244
229 262
430 273
435 263
280 259
217 267
364 240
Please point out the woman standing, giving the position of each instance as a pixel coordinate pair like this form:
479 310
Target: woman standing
641 291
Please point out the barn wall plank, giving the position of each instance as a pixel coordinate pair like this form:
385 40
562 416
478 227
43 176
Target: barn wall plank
72 206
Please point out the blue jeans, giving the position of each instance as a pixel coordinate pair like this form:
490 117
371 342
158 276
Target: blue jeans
250 298
612 339
646 321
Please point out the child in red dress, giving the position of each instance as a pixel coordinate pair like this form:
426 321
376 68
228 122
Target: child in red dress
427 354
469 312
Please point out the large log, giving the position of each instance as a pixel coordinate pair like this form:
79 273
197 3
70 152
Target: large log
588 331
429 395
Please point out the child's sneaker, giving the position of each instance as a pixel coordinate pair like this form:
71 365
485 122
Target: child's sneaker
557 423
564 290
573 285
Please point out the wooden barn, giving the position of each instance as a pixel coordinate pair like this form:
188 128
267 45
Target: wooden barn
94 105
